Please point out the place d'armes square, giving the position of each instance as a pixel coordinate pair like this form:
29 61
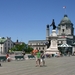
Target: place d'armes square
58 48
55 55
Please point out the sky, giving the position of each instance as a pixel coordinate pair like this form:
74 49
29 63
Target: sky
27 19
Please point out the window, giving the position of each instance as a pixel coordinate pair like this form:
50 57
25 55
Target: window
63 30
8 48
8 44
43 48
36 48
5 48
5 44
39 48
1 47
36 43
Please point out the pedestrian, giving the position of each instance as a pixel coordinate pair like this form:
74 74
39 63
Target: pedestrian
38 56
43 58
69 54
7 55
8 58
34 54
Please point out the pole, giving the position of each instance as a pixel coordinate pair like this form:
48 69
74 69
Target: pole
1 50
64 9
1 47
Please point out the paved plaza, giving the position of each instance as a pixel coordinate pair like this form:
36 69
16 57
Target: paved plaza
54 66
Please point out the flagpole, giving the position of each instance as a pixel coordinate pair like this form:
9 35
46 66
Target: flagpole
64 9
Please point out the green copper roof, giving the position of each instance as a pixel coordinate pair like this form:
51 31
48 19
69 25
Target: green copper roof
2 40
65 19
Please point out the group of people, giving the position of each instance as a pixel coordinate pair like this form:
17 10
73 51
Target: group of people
40 58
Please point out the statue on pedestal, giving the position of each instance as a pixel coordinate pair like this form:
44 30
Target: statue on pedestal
52 47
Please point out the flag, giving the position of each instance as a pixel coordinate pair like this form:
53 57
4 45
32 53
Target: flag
64 7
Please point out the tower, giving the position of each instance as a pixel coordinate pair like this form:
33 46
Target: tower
65 31
47 32
65 27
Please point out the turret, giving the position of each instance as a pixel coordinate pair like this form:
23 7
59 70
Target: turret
65 26
47 32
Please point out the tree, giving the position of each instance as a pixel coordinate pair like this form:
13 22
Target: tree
22 47
29 49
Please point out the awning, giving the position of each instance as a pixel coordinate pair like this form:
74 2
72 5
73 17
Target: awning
64 45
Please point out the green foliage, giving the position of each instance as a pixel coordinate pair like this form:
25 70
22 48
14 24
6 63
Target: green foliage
29 49
13 49
22 47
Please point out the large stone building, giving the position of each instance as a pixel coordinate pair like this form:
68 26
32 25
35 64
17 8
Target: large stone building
38 44
65 35
5 45
66 31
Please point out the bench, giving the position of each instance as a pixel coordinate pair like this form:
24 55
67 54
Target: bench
19 57
31 56
3 58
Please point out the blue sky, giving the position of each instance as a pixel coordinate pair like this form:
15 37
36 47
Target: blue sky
27 19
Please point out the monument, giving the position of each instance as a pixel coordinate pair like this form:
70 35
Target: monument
53 48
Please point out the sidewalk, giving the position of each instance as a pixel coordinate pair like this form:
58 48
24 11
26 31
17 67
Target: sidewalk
54 66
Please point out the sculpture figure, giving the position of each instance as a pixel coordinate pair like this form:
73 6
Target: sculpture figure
53 24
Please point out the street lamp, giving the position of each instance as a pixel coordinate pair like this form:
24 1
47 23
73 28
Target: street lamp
1 46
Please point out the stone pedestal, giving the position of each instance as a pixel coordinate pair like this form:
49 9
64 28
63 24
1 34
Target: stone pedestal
53 48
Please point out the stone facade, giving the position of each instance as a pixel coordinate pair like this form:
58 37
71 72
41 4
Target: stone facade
65 31
5 45
38 44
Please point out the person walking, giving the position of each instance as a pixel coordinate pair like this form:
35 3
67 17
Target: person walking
8 57
38 56
43 58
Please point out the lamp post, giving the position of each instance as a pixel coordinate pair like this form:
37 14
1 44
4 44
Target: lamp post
1 51
1 46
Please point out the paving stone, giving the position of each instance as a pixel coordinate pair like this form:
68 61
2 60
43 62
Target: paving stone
54 66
